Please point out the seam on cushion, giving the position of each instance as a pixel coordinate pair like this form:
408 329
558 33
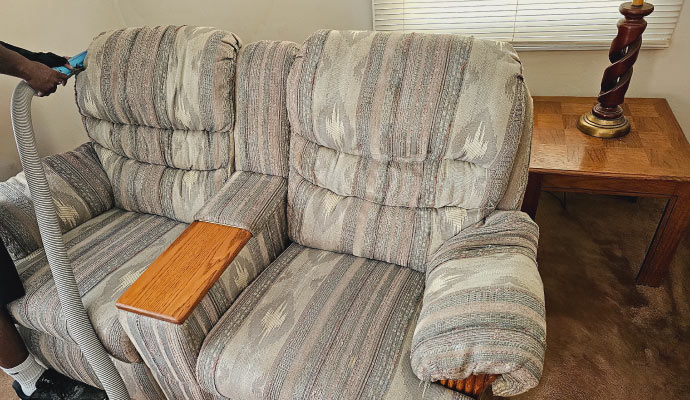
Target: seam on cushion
147 126
165 155
310 180
154 127
388 159
385 205
167 167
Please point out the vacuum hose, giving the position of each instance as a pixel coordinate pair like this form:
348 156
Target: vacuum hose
78 322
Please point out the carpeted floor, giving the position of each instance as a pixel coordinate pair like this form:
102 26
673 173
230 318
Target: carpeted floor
607 338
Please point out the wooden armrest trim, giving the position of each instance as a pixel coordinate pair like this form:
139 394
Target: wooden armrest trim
473 385
180 277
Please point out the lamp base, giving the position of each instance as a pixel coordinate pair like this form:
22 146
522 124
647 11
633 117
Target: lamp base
592 125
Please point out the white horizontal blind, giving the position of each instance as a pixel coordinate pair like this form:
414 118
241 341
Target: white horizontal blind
528 24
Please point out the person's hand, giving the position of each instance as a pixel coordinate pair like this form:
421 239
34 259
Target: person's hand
43 79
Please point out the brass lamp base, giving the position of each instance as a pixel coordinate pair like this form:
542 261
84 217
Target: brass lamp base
592 125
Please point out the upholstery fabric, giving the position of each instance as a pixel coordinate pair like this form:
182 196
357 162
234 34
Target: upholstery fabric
155 189
315 324
399 141
67 358
108 254
169 77
262 128
183 149
249 201
159 103
81 191
483 309
171 350
517 184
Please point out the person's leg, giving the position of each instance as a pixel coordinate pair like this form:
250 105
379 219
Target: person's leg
32 380
12 349
15 359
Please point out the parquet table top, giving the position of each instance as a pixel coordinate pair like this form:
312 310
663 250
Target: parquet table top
654 149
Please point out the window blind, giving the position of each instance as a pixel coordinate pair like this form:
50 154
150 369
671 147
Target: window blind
528 24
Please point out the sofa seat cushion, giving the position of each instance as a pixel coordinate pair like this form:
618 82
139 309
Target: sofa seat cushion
108 254
65 357
316 323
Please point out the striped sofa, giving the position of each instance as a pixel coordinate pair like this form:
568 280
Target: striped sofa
379 174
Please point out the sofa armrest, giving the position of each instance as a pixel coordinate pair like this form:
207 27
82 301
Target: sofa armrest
170 345
483 307
179 278
247 201
81 191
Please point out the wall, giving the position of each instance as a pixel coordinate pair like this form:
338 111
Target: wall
48 26
67 27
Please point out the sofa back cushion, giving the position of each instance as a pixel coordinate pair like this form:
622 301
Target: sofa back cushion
400 141
158 103
262 128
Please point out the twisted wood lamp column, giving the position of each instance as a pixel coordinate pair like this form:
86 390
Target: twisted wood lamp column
606 119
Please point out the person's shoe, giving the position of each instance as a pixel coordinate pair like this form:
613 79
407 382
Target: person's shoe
52 385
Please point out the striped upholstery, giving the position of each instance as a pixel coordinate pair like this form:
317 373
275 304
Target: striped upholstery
171 350
317 324
158 102
108 254
262 128
399 141
483 307
249 201
81 191
515 191
65 357
155 189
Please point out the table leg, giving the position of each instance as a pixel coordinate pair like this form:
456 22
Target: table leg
531 199
674 223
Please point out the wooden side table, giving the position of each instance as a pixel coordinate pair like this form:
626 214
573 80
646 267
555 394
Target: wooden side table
653 160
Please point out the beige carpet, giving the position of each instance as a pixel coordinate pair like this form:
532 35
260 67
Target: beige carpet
607 338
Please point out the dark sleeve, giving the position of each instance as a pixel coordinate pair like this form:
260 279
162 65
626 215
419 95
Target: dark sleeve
50 59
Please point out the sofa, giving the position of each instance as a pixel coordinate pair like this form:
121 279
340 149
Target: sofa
378 178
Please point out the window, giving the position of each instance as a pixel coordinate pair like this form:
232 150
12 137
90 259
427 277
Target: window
528 24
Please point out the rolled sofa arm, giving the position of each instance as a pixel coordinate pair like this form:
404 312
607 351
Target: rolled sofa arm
80 189
169 310
483 307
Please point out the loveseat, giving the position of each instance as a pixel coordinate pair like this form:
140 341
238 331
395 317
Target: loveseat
377 178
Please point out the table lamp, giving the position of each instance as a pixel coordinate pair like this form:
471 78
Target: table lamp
606 119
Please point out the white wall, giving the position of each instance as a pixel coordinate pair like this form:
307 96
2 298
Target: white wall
48 26
67 27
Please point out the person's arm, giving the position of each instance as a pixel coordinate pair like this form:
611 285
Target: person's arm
51 60
41 78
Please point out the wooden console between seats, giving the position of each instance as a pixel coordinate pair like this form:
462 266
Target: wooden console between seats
180 277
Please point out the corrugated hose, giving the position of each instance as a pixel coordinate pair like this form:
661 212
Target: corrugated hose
78 322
